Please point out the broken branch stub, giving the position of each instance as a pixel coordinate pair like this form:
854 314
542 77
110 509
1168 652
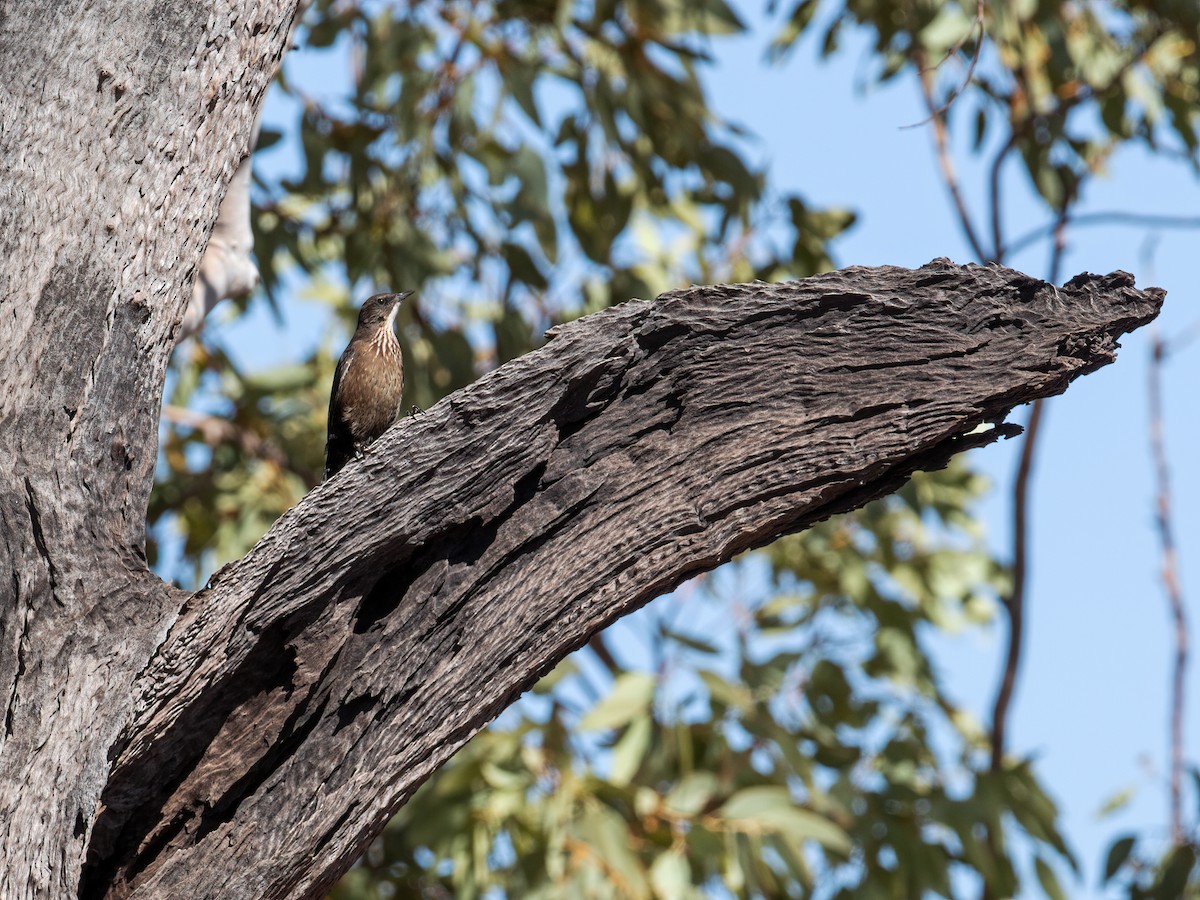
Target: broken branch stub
306 693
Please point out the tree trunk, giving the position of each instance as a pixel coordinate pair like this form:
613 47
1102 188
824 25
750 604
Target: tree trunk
120 124
251 739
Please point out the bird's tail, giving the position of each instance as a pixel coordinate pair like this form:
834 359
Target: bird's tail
336 456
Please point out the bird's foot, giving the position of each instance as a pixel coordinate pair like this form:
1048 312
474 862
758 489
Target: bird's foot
415 411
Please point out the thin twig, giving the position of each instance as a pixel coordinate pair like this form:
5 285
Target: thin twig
949 176
1171 583
1015 602
597 646
1107 217
998 249
977 25
1060 239
1184 337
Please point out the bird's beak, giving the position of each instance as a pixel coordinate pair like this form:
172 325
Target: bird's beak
397 299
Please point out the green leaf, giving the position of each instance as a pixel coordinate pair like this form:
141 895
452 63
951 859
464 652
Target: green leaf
280 379
267 137
981 124
798 20
731 168
695 17
1195 771
691 794
949 28
727 693
1048 880
1118 853
512 335
455 361
551 679
522 266
520 78
631 695
1176 869
608 834
670 876
1116 802
690 642
770 808
498 777
528 166
630 750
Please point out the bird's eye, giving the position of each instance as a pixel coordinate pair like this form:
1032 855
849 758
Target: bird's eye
381 301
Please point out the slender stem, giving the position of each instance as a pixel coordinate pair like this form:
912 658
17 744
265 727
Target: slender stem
597 645
976 26
1185 337
1015 602
1106 217
998 249
1171 584
949 175
1060 240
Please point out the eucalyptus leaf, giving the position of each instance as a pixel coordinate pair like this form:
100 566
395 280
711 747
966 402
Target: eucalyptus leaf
631 696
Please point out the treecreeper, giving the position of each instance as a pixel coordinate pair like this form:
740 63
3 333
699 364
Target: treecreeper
368 383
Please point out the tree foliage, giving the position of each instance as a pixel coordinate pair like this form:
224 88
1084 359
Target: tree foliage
523 163
1058 85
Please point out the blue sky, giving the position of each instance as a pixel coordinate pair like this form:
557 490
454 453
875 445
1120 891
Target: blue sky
1092 698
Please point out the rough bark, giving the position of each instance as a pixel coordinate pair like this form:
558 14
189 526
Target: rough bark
120 123
250 739
300 698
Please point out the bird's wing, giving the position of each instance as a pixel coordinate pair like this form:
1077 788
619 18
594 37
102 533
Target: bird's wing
335 422
339 443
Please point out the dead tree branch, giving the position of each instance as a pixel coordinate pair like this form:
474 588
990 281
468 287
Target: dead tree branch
313 685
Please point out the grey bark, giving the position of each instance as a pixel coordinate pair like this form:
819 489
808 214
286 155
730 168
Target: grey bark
120 124
250 739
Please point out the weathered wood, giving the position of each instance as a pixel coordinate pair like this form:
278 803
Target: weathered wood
300 698
120 123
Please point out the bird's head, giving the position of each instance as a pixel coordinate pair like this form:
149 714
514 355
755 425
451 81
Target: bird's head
380 309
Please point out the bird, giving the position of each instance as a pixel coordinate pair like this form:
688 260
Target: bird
368 383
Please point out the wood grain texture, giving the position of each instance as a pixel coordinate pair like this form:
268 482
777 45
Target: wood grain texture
301 697
120 124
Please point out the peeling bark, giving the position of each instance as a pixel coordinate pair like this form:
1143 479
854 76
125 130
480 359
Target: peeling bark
249 740
227 269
